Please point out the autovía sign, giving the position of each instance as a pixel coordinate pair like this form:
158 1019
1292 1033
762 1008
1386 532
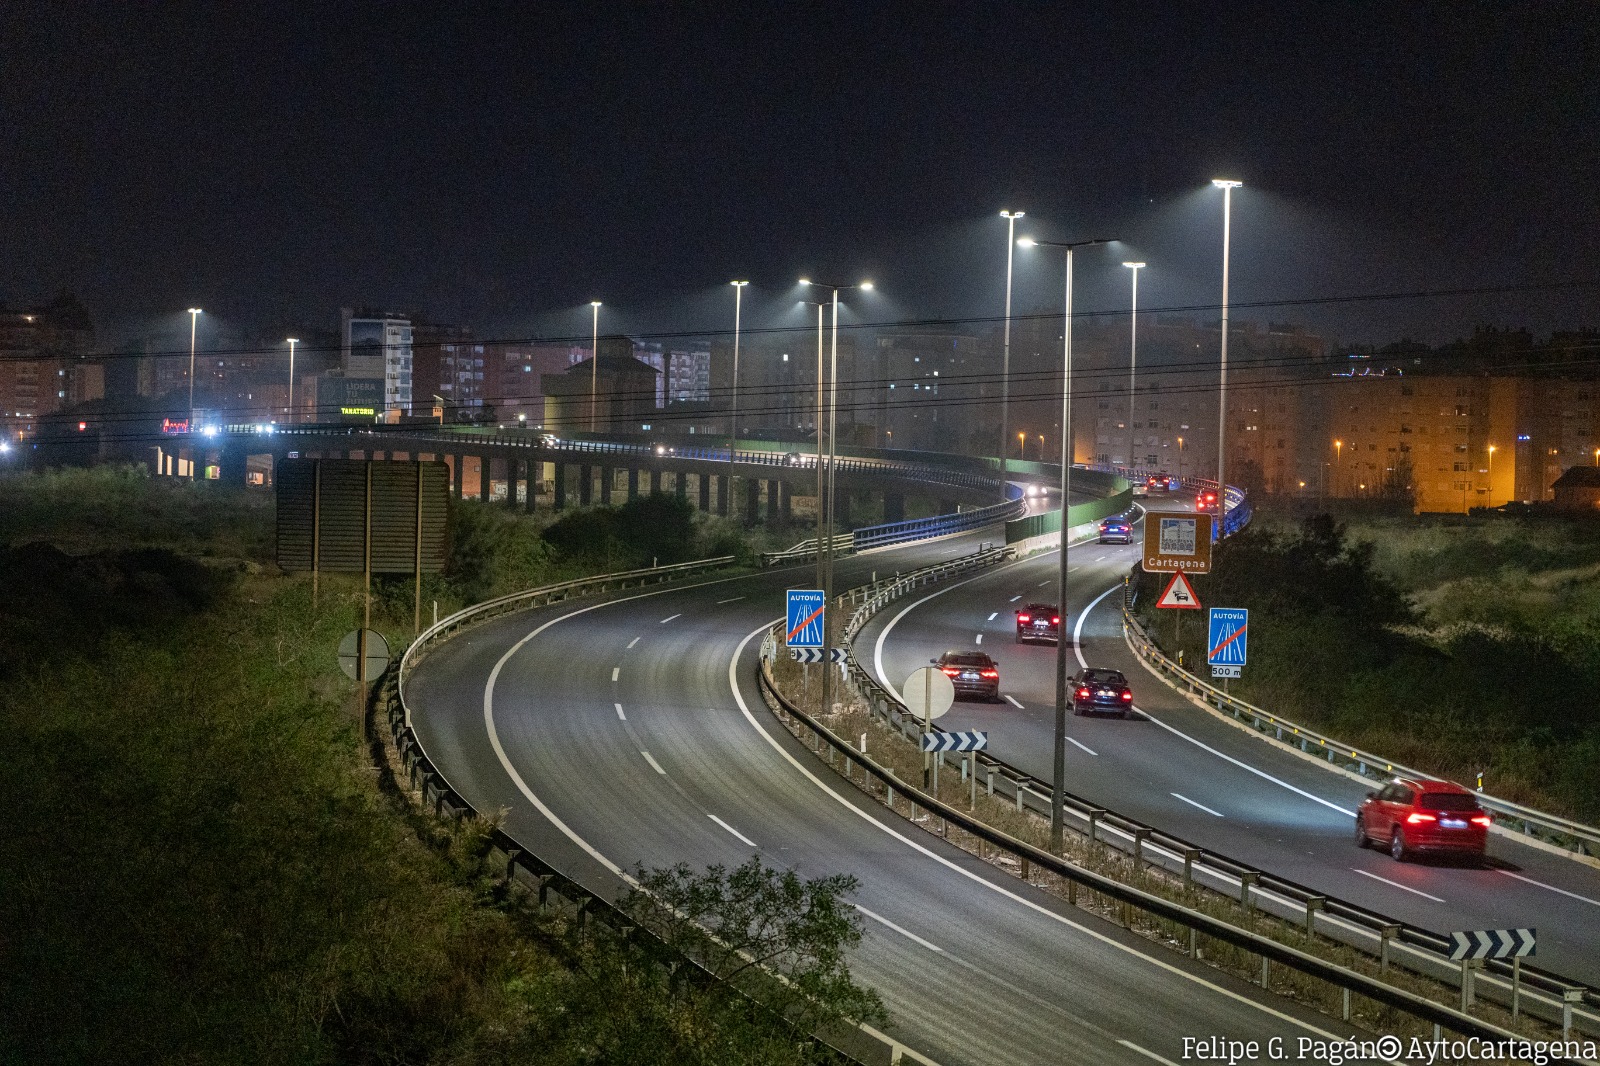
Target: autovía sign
1226 640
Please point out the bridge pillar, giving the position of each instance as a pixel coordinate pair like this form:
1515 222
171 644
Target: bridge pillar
633 483
774 496
894 507
655 482
585 485
841 515
705 492
235 464
752 501
511 481
458 475
724 483
683 485
485 468
532 472
560 487
608 481
786 501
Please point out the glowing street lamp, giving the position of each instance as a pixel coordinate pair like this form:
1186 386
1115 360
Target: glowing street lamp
1491 475
1133 352
1057 790
292 342
733 418
594 366
1005 358
1227 186
194 317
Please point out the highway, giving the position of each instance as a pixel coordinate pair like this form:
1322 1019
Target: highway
629 730
1190 773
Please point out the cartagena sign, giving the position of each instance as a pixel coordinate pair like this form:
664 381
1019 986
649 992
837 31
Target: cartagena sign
1177 540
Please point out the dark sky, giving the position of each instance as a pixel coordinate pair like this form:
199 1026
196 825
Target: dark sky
502 166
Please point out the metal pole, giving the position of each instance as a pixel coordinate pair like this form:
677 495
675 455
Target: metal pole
827 571
194 317
819 462
316 527
1222 390
733 420
1133 355
292 343
1005 359
366 599
927 717
416 561
1059 763
594 367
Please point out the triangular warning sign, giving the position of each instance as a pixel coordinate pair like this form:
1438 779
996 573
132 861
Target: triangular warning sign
1179 594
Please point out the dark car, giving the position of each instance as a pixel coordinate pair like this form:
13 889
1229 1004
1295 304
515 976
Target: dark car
1101 692
1116 530
972 673
1206 500
1039 621
1412 816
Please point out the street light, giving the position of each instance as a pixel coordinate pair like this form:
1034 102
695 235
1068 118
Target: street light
825 527
292 342
594 366
733 418
1133 352
194 317
1180 458
1057 793
1005 358
1338 466
1227 188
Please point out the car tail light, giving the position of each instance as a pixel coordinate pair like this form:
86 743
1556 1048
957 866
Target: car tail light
1482 819
1418 818
1025 619
950 671
988 673
1083 694
1055 620
1127 696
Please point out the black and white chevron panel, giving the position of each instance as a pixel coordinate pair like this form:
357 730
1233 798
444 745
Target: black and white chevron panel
1492 944
975 740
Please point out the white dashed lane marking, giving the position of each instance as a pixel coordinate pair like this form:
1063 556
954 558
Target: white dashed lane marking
729 828
670 617
632 642
908 934
616 671
1015 704
653 764
1085 747
619 712
1192 803
1397 884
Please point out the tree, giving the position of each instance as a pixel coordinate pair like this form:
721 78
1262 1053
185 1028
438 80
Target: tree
765 932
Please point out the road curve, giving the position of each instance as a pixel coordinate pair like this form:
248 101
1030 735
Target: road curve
629 730
1185 771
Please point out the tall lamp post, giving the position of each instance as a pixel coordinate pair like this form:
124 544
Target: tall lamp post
1133 352
1057 793
825 524
292 342
1005 357
1227 186
594 366
194 317
1491 475
1338 465
733 418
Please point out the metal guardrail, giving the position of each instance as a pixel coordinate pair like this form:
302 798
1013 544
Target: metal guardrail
1553 829
1419 949
1194 921
941 525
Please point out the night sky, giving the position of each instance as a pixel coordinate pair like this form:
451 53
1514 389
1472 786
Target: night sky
500 167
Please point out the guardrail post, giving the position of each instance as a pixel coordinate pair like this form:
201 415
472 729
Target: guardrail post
1139 837
1344 1008
990 774
1313 905
1095 814
1569 996
1246 879
1389 931
1468 973
1189 857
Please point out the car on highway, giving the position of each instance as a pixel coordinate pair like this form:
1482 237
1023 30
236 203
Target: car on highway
1206 500
1412 816
1039 622
1116 530
972 673
1097 691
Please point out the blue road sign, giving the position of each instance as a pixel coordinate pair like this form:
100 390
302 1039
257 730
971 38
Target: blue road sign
1228 636
974 740
804 626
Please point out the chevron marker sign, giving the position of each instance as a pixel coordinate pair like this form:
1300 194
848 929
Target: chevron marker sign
818 655
976 740
1492 944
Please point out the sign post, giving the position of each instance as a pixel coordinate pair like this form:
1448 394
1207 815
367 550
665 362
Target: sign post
928 693
1472 947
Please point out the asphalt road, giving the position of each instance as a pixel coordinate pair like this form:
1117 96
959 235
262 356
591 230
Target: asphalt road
1185 771
630 731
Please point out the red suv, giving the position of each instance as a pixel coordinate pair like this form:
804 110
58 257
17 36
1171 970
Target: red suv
1413 816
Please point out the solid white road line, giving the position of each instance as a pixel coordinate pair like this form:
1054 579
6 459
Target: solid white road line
1085 747
619 712
1014 599
735 599
1131 1046
654 765
729 828
980 638
615 672
1014 703
632 642
993 616
908 934
1192 803
1552 888
1077 640
1397 884
670 617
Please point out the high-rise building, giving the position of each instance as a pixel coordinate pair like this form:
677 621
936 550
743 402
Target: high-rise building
378 345
43 357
